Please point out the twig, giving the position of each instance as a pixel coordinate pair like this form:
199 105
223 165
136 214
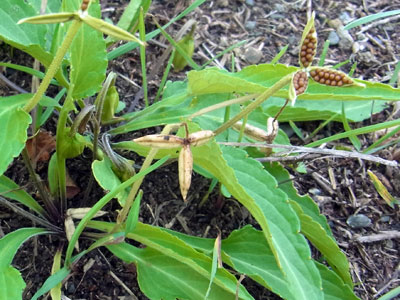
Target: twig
333 152
123 285
383 235
12 84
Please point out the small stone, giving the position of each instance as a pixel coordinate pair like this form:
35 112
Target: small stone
252 55
385 219
250 25
280 7
315 191
250 2
333 38
358 221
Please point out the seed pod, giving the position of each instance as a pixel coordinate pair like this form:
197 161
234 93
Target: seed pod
160 141
185 167
330 77
85 4
298 85
252 131
200 137
80 213
272 129
308 45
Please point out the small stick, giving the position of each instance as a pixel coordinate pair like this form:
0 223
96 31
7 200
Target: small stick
383 235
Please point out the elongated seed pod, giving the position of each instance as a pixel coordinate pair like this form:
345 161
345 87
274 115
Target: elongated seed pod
252 131
200 137
330 77
185 168
160 141
308 44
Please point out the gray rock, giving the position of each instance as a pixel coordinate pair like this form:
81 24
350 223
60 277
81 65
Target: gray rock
250 2
345 17
250 25
253 55
358 221
385 219
333 38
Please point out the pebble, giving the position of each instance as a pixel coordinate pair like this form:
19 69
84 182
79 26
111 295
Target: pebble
280 7
358 221
385 219
250 2
315 191
252 55
250 25
333 38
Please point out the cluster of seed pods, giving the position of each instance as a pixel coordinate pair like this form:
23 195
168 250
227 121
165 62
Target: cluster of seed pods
308 48
330 77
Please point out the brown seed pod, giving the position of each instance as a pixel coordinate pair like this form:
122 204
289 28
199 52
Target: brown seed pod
200 137
308 46
85 4
330 77
185 168
160 141
300 82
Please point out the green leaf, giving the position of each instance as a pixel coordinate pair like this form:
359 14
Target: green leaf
51 282
88 58
325 244
306 203
255 79
168 268
354 139
133 215
12 284
13 123
30 38
10 189
334 288
305 110
10 243
106 178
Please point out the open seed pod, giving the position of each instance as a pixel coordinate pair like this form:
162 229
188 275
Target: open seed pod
308 44
330 77
298 85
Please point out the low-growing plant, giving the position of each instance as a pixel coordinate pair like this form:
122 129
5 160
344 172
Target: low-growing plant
211 107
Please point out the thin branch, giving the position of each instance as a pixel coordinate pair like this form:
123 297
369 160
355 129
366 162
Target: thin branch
383 235
333 152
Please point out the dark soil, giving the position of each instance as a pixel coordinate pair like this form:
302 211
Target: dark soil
341 187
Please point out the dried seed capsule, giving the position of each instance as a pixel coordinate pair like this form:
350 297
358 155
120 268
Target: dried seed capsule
330 77
300 81
308 44
200 137
252 131
185 168
160 141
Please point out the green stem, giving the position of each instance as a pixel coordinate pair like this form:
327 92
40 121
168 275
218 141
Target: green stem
54 66
260 99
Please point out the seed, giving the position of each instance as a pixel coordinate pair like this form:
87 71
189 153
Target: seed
85 4
326 75
300 81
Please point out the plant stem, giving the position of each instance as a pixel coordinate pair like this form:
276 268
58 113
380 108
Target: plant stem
260 99
54 66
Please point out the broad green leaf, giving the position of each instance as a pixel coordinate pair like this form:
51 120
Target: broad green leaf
88 58
10 243
305 110
247 251
325 244
32 39
184 271
12 284
255 79
334 288
13 125
307 204
10 189
106 178
162 277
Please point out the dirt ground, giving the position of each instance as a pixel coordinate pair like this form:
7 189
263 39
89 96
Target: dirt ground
267 26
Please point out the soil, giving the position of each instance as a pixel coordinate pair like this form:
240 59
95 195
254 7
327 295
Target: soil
267 26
